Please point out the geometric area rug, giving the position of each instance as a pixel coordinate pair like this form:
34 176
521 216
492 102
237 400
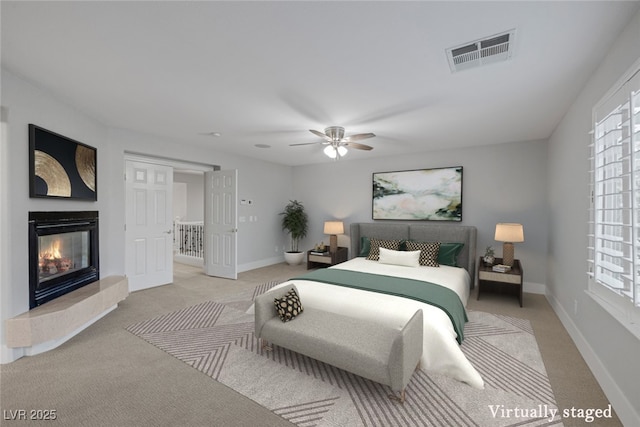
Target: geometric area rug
217 338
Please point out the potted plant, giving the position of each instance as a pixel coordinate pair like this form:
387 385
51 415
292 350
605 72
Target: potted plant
295 222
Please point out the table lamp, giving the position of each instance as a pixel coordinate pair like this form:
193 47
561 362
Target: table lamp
508 233
333 228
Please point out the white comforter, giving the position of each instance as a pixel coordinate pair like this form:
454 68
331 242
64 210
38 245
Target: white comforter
441 354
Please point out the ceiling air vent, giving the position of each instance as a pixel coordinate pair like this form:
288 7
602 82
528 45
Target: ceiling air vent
492 49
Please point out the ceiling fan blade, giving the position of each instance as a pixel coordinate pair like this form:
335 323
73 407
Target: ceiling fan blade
359 136
320 134
358 146
306 143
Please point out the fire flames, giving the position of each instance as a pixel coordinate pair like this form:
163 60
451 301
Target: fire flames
53 252
51 260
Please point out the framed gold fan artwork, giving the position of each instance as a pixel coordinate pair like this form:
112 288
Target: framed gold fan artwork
60 167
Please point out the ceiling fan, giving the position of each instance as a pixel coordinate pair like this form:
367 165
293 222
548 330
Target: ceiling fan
336 143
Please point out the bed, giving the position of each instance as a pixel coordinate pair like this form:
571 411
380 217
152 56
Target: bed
441 342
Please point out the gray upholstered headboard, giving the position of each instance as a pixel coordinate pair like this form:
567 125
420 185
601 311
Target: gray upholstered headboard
451 233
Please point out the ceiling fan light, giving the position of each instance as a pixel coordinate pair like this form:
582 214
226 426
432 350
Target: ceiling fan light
334 152
330 151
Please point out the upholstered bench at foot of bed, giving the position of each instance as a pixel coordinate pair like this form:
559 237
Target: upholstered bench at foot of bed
371 350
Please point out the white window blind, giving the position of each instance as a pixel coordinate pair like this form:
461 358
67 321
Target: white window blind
614 214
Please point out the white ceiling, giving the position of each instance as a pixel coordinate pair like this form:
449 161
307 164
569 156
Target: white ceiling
267 72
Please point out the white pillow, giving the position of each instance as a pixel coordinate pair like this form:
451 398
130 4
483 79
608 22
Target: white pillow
406 258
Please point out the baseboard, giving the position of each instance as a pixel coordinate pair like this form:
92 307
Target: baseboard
259 264
534 288
8 355
624 409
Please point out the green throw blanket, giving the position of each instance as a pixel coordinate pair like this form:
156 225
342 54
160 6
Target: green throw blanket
426 292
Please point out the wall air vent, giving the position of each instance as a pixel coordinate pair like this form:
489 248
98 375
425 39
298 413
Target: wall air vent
488 50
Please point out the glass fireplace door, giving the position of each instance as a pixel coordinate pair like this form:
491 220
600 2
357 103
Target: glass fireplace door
64 253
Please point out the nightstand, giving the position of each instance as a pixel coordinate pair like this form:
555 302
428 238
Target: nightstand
326 260
508 283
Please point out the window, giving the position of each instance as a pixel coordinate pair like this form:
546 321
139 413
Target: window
614 214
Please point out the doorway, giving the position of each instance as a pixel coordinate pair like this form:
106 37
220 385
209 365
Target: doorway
188 216
149 227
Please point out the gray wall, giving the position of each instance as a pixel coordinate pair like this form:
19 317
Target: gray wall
611 351
501 183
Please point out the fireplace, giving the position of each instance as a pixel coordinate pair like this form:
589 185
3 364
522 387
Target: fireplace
63 253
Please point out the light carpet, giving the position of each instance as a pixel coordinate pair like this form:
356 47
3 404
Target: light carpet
217 338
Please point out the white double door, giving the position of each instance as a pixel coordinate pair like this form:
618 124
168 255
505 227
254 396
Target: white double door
149 224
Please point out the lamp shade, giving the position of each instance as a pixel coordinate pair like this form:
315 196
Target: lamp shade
509 232
333 227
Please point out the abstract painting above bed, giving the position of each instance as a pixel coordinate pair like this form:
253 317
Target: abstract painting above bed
424 194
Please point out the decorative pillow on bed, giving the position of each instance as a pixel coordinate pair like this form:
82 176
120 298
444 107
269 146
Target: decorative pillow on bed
376 244
448 254
288 306
428 252
365 246
406 258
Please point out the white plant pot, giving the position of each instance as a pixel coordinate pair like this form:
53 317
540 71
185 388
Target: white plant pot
294 258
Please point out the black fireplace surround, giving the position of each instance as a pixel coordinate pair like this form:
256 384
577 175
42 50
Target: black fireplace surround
63 253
